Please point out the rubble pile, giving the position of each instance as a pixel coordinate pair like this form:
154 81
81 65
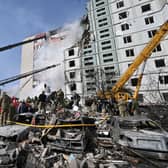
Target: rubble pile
72 147
45 157
62 134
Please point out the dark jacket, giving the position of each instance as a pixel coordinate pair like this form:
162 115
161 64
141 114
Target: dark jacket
42 97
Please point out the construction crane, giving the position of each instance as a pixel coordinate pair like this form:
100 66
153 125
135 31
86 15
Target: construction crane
45 36
117 90
135 95
26 74
37 37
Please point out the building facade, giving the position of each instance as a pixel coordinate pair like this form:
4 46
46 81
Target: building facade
120 29
73 72
30 53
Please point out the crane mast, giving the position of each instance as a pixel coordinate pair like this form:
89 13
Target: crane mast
26 74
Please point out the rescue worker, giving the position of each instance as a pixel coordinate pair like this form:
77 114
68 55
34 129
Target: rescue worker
22 108
76 99
60 97
47 90
5 104
42 102
94 106
34 104
122 106
12 111
134 108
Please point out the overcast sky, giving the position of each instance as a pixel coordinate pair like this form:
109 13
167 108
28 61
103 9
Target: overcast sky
24 18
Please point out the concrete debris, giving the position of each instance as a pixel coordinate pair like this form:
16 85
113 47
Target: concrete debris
75 139
72 136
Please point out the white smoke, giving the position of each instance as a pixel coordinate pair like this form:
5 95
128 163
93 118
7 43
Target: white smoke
53 53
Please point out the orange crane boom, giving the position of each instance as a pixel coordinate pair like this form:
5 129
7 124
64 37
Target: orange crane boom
143 56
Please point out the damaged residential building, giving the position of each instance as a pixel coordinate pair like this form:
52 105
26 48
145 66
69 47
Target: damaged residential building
30 52
72 72
119 30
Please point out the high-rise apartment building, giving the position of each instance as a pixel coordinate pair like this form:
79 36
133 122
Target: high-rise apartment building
120 29
30 53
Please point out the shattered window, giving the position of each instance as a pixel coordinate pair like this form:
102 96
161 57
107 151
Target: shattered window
89 63
110 74
108 60
106 48
71 52
91 89
88 58
107 55
120 4
89 73
113 81
101 9
146 8
71 63
90 83
166 79
103 31
87 46
100 14
89 70
149 20
163 79
105 42
87 52
73 86
91 86
134 81
123 15
72 75
129 52
124 26
158 48
103 24
109 68
101 3
160 63
102 20
105 35
151 33
127 39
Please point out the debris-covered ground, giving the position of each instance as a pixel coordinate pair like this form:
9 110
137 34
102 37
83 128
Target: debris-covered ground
75 146
63 134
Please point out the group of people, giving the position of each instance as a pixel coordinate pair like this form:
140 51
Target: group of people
128 108
121 107
46 100
56 100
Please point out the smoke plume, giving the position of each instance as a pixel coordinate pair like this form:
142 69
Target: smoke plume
53 53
